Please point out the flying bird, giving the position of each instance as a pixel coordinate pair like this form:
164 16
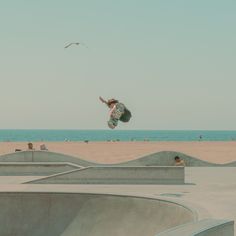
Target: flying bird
70 44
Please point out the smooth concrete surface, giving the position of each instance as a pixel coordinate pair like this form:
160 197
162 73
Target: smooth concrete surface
34 168
10 180
207 227
165 158
65 214
211 192
118 175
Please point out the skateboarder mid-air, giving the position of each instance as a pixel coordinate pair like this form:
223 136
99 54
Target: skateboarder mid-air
118 111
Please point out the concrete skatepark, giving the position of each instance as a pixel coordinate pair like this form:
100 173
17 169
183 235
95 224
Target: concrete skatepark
51 196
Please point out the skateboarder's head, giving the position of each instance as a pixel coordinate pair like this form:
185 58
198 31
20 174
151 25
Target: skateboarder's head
111 102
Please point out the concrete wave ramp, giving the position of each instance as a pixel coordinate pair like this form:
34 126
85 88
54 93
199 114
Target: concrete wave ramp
43 156
166 158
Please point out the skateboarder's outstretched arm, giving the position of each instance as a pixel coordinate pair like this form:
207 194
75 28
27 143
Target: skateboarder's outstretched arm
103 100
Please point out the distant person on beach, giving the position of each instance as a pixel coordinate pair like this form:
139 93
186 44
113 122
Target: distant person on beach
179 162
30 146
118 112
200 137
43 147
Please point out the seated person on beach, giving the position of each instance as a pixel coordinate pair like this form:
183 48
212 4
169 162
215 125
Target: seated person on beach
118 111
30 146
43 147
179 162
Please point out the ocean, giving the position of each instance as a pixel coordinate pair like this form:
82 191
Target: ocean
117 135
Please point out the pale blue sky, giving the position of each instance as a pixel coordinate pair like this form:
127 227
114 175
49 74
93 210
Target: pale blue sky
171 62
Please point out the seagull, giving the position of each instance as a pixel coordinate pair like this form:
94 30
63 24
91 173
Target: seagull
68 45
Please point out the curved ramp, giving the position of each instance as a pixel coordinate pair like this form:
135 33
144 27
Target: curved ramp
43 156
207 227
73 214
166 158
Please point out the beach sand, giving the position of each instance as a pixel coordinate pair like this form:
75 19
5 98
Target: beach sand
115 152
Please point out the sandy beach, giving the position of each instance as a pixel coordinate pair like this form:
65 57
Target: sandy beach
115 152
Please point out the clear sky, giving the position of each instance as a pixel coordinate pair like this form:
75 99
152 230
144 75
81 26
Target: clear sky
173 63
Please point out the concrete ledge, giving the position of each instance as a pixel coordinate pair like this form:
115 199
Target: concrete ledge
207 227
35 168
117 175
